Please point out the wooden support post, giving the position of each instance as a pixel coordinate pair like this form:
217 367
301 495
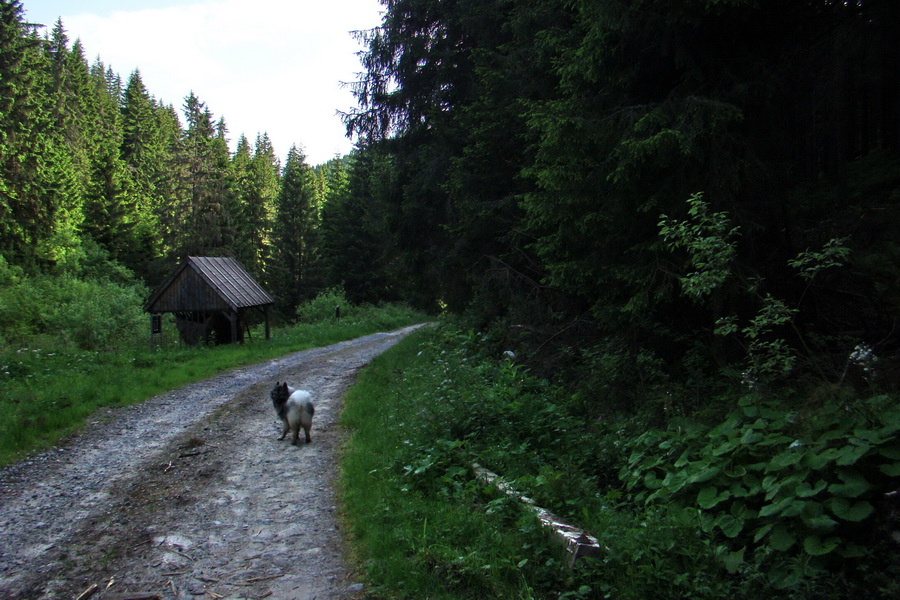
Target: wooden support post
235 337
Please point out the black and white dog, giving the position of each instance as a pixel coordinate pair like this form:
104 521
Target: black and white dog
295 408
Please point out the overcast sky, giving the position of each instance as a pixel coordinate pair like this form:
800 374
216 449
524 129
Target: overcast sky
263 65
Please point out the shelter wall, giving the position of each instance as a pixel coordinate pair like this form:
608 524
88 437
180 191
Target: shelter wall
188 293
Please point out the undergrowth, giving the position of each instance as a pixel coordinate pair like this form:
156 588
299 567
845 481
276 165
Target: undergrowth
769 501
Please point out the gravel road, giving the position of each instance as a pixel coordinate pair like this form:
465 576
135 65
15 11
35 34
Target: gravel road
190 494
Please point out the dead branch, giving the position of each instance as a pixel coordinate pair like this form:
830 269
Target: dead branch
88 592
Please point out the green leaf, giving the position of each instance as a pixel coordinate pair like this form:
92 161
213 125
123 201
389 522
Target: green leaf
854 485
652 482
684 459
730 525
785 459
771 485
710 496
738 491
735 470
804 490
762 531
794 508
816 546
704 474
742 511
781 539
751 437
734 560
890 469
726 447
843 509
820 522
891 452
675 480
707 497
818 461
707 522
775 507
851 454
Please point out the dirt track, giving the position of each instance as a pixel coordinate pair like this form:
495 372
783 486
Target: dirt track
190 494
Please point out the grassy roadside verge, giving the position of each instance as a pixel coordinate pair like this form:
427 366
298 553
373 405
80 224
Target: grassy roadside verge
46 395
767 502
420 524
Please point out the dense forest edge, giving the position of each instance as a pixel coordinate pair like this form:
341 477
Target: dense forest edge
679 219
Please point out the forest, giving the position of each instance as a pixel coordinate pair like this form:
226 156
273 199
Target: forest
681 214
100 178
684 214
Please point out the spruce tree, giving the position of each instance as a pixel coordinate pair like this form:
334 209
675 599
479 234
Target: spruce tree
35 177
257 207
294 270
201 185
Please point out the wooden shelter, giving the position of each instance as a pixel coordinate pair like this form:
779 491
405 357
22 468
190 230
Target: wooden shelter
211 298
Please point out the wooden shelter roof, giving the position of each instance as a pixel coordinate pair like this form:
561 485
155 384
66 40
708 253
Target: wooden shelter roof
204 283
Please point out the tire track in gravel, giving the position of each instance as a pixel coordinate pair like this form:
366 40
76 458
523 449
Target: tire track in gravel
190 494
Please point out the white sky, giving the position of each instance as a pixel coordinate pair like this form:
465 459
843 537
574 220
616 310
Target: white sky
272 66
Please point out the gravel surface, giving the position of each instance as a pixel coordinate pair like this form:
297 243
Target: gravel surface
190 494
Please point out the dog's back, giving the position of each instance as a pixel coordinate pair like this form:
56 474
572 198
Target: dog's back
295 408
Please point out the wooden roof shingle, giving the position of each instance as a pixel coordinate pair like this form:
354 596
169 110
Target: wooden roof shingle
208 283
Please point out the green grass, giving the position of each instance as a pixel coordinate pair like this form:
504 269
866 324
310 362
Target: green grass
421 526
47 394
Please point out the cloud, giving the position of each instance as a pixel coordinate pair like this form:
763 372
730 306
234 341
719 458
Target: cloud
270 65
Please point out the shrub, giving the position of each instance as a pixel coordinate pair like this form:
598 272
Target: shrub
68 312
322 307
793 494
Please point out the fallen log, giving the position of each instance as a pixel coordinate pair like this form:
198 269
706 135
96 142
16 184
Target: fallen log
577 542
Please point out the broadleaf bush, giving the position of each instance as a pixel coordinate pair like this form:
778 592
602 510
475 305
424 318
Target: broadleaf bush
793 490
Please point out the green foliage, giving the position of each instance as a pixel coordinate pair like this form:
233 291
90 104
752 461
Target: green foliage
420 418
809 263
766 499
322 307
791 493
70 313
708 239
711 245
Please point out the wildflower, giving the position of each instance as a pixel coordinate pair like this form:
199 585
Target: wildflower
748 378
864 356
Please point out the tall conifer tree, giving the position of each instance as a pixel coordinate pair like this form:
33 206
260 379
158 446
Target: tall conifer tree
258 207
295 233
35 176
